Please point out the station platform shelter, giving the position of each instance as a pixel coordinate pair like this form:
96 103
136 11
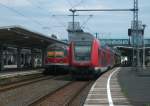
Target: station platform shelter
21 48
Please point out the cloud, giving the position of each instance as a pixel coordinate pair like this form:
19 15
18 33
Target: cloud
16 3
43 10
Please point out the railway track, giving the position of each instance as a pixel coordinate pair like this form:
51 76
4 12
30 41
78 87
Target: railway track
64 96
13 85
25 93
23 83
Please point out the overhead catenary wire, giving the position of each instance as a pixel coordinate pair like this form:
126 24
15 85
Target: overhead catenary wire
56 16
66 15
39 6
89 29
76 5
19 13
68 1
86 21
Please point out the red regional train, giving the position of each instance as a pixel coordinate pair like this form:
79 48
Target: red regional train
56 59
88 57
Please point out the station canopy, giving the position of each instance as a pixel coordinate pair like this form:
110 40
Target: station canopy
21 37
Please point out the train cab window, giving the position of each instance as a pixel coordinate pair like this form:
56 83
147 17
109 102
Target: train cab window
55 52
82 51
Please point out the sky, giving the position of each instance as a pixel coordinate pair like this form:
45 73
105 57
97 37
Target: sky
51 16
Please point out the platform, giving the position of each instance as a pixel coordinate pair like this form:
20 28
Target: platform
136 86
106 91
19 73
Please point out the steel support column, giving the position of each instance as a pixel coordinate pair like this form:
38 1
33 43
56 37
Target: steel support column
43 56
18 58
32 58
1 58
143 44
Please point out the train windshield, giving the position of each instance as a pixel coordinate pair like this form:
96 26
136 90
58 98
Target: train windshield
82 51
56 52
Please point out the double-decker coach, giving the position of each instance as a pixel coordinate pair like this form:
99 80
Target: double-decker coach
87 56
56 58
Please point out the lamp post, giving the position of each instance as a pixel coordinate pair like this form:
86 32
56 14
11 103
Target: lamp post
143 46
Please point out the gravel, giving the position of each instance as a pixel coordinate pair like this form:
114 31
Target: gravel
25 95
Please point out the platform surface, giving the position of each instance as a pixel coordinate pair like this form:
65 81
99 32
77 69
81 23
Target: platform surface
106 91
136 86
18 73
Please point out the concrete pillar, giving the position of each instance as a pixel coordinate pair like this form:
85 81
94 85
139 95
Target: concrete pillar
23 58
43 56
32 58
130 59
7 57
19 58
1 58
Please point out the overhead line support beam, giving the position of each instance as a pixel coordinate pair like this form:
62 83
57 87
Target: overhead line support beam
75 10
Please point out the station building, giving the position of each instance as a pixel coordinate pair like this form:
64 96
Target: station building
21 48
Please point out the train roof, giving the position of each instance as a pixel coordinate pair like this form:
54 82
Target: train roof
81 36
57 45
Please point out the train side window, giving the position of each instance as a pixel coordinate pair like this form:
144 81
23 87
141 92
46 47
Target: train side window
105 58
102 57
99 55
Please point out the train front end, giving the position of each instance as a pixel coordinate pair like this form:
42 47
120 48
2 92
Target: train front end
84 55
56 59
81 54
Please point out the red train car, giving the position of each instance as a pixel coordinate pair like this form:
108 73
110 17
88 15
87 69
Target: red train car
56 59
88 57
